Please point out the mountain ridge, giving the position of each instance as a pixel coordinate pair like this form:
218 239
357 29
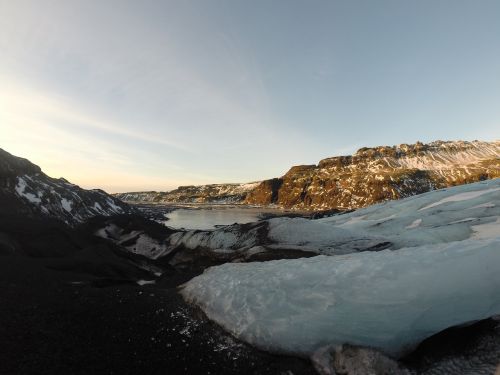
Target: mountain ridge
230 193
370 175
26 190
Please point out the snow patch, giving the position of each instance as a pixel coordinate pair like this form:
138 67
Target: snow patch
488 230
145 282
461 197
483 205
415 224
114 207
465 220
66 204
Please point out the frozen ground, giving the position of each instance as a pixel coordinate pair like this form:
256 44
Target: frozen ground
445 271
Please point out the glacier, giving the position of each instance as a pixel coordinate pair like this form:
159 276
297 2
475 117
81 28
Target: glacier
408 222
442 269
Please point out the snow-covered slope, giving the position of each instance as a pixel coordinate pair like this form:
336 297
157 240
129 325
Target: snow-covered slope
442 269
25 189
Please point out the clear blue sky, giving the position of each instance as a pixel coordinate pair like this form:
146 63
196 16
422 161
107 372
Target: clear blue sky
133 95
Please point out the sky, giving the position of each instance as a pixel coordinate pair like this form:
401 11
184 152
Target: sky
149 95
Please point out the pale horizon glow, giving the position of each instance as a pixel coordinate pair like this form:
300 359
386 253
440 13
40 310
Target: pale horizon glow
128 96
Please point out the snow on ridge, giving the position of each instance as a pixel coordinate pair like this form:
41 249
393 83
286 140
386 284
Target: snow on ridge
113 206
66 204
65 201
444 155
97 207
460 197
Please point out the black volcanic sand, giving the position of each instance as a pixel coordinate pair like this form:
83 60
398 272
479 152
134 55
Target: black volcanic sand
57 322
69 305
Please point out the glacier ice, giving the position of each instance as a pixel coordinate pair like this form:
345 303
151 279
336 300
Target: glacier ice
443 269
136 241
430 218
389 300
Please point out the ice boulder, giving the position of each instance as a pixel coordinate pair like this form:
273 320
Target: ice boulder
388 300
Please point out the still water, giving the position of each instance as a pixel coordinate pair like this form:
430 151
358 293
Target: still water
209 218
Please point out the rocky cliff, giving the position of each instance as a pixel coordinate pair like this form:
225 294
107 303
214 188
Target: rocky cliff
369 176
378 174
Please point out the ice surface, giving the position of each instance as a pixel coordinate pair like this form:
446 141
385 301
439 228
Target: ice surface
396 221
211 239
442 269
317 236
430 218
485 205
460 197
229 237
390 300
488 230
149 247
136 242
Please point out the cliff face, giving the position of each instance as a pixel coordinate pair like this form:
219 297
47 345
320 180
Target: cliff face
369 176
378 174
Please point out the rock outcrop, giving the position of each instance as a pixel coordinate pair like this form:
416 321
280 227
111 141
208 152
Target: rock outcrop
378 174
